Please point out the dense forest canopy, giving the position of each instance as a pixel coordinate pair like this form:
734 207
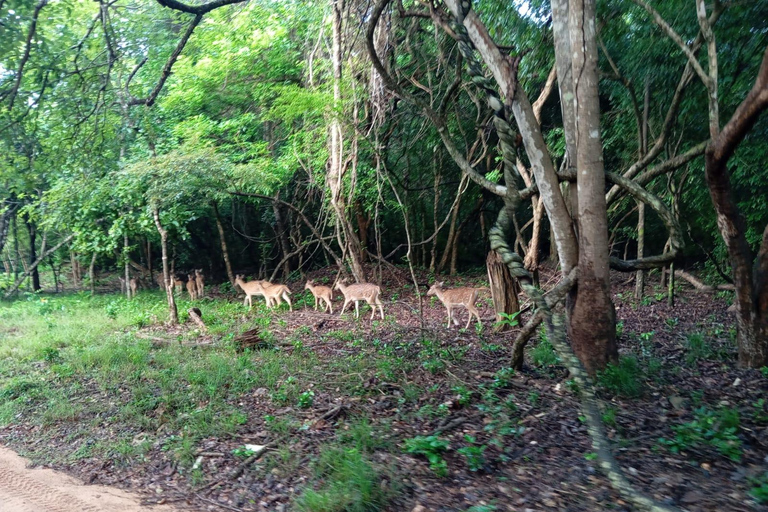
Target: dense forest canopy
262 136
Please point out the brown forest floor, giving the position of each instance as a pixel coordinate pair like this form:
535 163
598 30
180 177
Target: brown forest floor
546 465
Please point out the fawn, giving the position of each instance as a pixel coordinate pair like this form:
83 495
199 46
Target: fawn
457 297
274 292
191 286
321 293
133 283
362 291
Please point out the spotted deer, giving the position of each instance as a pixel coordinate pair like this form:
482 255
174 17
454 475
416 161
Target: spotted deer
457 297
250 288
191 286
274 292
321 294
362 291
176 283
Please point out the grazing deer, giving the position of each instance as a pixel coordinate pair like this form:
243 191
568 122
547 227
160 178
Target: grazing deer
457 297
200 282
191 286
122 284
321 293
274 292
362 291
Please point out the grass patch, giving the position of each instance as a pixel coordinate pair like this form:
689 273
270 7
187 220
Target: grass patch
622 378
349 483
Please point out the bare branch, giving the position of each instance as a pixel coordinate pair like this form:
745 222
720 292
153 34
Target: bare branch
150 100
198 10
667 29
27 49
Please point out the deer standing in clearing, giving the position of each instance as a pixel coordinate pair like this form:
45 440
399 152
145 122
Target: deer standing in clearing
320 293
250 288
362 291
134 285
457 297
274 292
191 287
199 282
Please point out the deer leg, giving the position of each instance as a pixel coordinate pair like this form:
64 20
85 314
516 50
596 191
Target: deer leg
344 307
288 300
469 320
357 309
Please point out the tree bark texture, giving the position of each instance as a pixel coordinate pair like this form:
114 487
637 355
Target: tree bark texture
592 322
223 240
504 289
172 310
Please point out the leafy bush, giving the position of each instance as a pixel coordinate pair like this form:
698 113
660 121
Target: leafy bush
431 447
622 378
716 429
473 453
543 354
698 348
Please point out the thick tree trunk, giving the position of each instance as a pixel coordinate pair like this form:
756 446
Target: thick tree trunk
223 240
173 312
32 230
504 289
749 277
593 319
346 235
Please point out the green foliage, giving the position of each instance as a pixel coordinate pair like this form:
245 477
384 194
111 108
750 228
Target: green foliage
306 399
432 448
622 378
544 355
349 483
759 489
473 453
717 429
698 348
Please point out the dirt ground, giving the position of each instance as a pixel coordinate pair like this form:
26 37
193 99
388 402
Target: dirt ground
23 489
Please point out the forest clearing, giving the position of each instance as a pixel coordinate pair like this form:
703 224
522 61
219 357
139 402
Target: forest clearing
549 216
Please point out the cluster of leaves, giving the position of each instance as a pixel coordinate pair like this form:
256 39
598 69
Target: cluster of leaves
717 429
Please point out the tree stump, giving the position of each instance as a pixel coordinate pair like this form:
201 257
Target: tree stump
504 289
251 340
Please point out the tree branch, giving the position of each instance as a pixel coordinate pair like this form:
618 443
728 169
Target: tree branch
25 57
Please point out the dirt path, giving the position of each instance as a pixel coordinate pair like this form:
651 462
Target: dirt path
45 490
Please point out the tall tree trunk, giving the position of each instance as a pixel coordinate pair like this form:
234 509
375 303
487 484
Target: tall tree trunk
640 276
223 240
149 259
281 229
451 235
173 312
91 279
504 290
346 235
127 267
363 221
32 230
592 316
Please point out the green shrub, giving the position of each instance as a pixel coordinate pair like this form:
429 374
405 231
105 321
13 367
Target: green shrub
432 448
759 489
622 378
473 454
716 429
698 348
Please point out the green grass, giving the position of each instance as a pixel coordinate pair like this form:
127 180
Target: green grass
347 482
623 378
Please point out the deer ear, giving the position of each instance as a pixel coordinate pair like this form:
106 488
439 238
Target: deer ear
440 283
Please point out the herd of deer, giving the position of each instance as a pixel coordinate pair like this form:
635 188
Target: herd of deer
274 294
368 292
